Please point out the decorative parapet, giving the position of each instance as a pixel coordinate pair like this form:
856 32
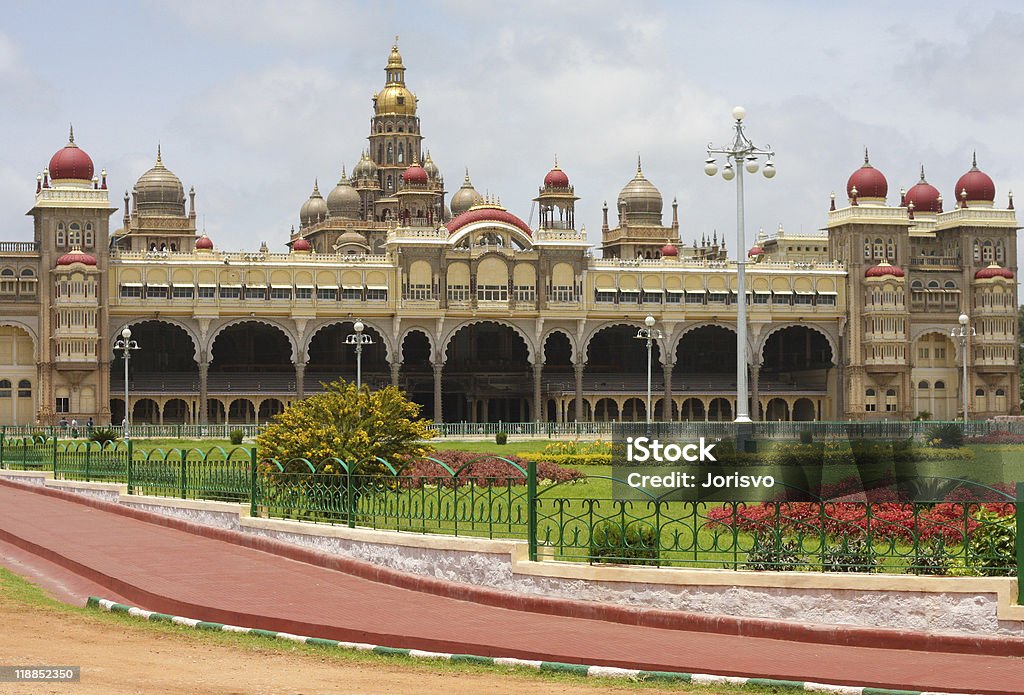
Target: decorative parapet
241 257
66 197
869 214
976 217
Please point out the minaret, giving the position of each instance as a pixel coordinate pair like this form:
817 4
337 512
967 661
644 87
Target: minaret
395 128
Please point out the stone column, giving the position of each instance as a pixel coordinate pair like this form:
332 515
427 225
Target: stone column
538 403
438 369
300 380
578 368
755 390
203 391
396 368
666 410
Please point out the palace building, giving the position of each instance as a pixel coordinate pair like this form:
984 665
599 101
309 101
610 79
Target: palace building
482 317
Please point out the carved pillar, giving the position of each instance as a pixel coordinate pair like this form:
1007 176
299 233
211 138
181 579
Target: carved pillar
578 368
755 390
300 380
438 369
203 369
396 368
538 403
666 408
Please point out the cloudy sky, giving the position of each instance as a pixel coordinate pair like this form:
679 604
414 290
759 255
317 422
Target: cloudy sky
252 100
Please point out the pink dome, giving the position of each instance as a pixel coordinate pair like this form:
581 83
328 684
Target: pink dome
482 213
755 251
924 196
883 269
669 250
869 181
415 174
71 162
993 271
556 178
301 244
204 243
976 183
76 256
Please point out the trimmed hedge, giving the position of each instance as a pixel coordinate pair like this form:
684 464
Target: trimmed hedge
569 459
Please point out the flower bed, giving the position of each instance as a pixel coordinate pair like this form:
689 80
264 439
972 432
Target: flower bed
482 471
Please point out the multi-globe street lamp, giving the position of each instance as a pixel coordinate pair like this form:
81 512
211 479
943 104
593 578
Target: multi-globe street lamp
964 331
359 339
650 334
740 154
125 344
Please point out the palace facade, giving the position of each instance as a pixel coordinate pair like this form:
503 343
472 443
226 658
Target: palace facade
481 317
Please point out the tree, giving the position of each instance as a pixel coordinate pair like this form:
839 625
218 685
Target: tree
355 426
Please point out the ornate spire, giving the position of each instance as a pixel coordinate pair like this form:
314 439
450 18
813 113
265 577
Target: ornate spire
71 134
639 169
922 174
159 159
974 160
866 162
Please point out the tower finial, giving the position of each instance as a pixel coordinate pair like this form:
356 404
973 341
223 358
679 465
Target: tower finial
866 162
343 177
556 161
639 170
71 134
396 41
159 160
974 159
922 174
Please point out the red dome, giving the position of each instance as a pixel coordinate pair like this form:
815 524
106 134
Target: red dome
883 269
204 243
757 250
556 178
977 183
869 182
415 174
486 213
993 271
71 162
924 196
669 250
76 256
301 244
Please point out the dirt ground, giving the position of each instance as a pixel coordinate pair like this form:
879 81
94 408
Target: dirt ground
122 658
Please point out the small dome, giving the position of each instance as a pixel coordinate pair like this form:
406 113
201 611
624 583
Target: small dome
204 243
642 200
924 196
869 182
314 209
465 198
366 168
301 244
71 162
755 250
415 174
977 184
159 191
351 237
556 178
669 251
993 271
883 269
76 255
432 171
343 201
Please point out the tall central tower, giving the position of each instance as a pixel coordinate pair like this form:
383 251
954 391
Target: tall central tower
395 127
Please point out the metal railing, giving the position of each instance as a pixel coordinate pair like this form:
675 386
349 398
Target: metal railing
976 531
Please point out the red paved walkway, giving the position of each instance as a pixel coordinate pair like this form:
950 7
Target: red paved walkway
174 571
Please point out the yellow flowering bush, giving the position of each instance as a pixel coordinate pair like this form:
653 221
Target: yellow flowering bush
354 426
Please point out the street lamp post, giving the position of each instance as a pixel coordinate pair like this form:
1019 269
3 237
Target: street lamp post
650 334
359 339
740 154
963 331
126 345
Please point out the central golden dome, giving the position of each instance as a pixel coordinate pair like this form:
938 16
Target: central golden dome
395 98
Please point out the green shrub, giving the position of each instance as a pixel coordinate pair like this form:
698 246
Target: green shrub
770 552
236 436
501 438
850 555
569 460
934 559
924 415
991 550
948 436
637 546
104 435
806 436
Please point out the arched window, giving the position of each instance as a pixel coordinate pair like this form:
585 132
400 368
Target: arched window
977 252
870 393
939 385
987 254
879 249
923 386
1000 392
999 252
74 234
933 285
89 238
867 248
917 285
391 153
950 285
979 392
24 389
5 388
61 239
401 153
